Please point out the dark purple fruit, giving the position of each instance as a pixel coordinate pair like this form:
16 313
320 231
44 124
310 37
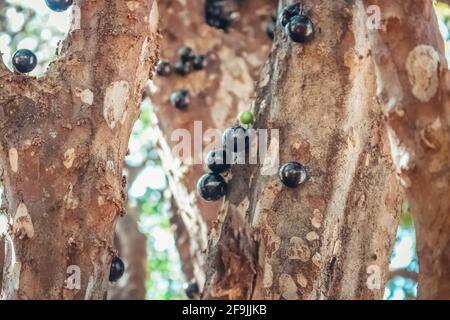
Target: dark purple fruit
217 15
292 174
191 290
183 68
164 68
186 54
200 62
300 29
235 139
117 269
180 99
217 161
289 12
211 187
24 61
59 5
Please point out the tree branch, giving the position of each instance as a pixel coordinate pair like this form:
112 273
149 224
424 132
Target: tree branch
68 133
416 108
316 241
219 93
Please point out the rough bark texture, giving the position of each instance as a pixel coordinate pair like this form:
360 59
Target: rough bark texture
219 93
413 89
320 240
63 140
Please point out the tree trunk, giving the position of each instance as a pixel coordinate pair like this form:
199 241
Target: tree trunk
63 140
219 93
413 89
332 237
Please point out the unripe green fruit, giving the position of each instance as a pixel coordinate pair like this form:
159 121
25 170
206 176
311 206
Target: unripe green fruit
246 117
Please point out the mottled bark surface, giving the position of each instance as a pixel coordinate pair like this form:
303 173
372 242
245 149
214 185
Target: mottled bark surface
219 93
413 88
320 240
63 140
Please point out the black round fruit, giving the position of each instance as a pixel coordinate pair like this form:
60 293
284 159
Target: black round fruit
59 5
216 14
186 54
300 29
211 187
164 68
235 139
117 269
200 62
191 290
289 12
217 161
24 61
180 99
183 68
292 174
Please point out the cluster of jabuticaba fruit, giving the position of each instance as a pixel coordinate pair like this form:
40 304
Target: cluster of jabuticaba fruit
235 140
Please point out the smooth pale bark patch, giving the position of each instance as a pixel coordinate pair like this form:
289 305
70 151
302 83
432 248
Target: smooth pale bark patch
317 260
22 222
311 236
302 281
115 103
288 288
298 249
71 201
69 157
132 5
87 97
422 66
316 220
268 275
14 159
401 156
154 17
14 273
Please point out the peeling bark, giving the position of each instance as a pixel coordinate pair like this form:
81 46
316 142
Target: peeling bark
219 93
321 240
413 88
70 130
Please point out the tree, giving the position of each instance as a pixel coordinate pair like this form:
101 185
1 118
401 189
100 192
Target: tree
63 141
319 241
354 199
412 78
363 106
219 93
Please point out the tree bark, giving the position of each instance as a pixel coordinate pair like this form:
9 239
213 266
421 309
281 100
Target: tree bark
63 140
330 237
413 89
219 93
